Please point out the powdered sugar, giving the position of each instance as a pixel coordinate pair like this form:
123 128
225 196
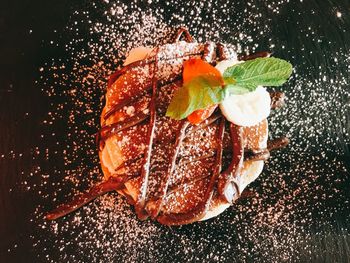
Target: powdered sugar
292 189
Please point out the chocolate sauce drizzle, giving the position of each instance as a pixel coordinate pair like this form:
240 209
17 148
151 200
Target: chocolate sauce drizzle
136 98
262 54
145 168
221 51
264 154
182 31
126 68
108 130
277 99
223 182
164 186
227 177
112 184
121 105
199 211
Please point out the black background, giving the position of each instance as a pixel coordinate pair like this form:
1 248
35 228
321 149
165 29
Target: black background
22 108
26 28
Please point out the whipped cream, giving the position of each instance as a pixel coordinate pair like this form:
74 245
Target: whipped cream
246 109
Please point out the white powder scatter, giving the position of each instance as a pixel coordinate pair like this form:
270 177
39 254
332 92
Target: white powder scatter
130 110
275 225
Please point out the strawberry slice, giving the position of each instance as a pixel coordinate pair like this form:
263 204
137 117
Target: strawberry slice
198 116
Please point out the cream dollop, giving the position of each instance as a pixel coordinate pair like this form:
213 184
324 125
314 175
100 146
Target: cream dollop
247 109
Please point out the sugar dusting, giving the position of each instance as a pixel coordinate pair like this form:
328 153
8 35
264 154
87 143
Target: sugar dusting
293 188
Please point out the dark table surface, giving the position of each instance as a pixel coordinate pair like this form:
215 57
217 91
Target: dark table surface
301 209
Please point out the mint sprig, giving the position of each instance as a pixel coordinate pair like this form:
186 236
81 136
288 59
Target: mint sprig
250 74
206 90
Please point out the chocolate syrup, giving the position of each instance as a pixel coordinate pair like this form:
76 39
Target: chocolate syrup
199 211
260 156
209 53
172 164
264 154
112 184
108 130
182 31
220 181
142 195
123 70
236 164
277 99
221 52
122 104
277 143
262 54
134 99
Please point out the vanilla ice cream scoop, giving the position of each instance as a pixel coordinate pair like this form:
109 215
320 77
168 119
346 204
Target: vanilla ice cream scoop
245 109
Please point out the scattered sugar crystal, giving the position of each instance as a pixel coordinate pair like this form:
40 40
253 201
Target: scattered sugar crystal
295 184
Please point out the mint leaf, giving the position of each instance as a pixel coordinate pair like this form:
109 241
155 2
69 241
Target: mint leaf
260 71
199 93
236 89
206 90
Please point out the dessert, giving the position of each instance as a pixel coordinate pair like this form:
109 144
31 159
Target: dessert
184 129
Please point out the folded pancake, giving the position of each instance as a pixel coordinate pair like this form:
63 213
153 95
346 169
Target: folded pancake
173 171
187 162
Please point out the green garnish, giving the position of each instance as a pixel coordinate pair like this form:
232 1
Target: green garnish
199 93
249 75
205 90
